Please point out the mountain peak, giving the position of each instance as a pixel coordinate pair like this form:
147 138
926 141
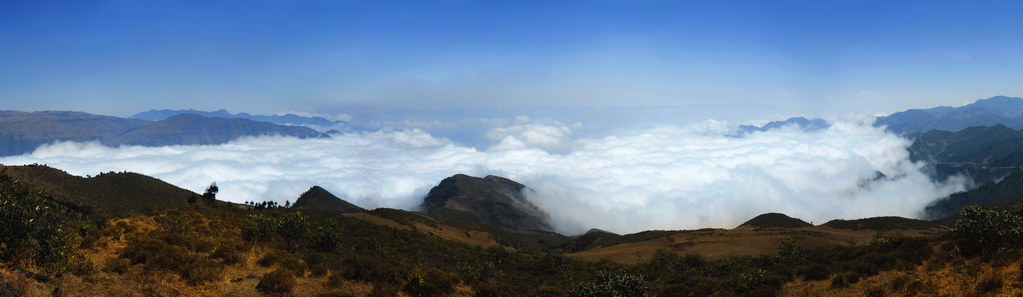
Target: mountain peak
319 198
490 200
775 220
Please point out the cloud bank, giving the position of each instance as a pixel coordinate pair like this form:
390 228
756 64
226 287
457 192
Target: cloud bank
668 177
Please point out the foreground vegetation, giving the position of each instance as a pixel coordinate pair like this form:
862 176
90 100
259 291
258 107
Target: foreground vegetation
213 248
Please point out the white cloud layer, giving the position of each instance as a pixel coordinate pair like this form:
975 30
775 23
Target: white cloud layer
663 178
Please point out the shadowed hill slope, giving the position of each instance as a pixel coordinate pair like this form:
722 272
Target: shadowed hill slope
775 220
491 200
117 193
318 198
883 224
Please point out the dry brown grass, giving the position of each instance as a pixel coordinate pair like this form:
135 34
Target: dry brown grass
741 241
969 278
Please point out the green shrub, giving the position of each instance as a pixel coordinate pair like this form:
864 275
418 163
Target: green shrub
293 227
749 281
432 282
277 281
790 251
258 228
983 229
665 259
476 272
326 239
34 234
610 285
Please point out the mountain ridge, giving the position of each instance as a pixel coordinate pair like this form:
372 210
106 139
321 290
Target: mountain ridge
23 132
1003 110
287 119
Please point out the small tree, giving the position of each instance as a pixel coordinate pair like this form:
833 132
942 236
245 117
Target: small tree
211 194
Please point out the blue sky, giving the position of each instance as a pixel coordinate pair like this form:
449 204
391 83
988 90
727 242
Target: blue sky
730 60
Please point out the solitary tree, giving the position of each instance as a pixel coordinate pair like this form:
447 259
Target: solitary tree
211 194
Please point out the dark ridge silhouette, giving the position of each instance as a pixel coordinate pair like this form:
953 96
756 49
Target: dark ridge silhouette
491 200
882 224
775 220
117 193
320 199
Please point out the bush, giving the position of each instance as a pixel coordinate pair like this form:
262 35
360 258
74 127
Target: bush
157 255
609 285
838 281
430 283
790 251
814 272
984 229
665 259
34 234
229 254
202 271
294 229
277 281
257 228
476 272
749 281
326 239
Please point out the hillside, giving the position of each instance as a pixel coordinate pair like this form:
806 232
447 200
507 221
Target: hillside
989 194
491 200
118 193
211 249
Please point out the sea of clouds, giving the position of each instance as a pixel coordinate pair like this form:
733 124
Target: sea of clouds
667 177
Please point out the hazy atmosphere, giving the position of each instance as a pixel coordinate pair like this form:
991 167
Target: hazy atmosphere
621 116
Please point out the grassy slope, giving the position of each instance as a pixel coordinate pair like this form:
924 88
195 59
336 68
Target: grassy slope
381 251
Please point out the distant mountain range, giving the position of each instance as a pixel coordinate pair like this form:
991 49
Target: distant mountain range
23 132
288 119
996 110
801 122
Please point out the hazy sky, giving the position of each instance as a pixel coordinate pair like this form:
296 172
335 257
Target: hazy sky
734 59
